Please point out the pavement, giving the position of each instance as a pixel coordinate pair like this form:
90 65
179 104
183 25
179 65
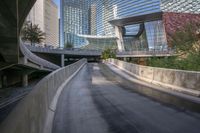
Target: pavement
9 98
95 102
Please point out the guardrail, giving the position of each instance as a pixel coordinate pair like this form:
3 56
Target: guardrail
35 59
179 80
35 113
70 51
146 53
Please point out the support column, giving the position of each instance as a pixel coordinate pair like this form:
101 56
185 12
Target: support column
120 42
62 60
1 84
125 59
25 80
4 81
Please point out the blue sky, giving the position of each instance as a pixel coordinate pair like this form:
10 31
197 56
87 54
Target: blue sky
58 3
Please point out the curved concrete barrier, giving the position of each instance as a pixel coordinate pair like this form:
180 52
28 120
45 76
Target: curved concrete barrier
35 113
35 59
179 80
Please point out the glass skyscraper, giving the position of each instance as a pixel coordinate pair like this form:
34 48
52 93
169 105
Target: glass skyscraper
88 22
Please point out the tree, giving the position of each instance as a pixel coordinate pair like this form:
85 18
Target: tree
187 39
108 53
32 33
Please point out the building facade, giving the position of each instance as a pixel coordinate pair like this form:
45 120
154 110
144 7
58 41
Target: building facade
136 24
45 14
51 22
36 15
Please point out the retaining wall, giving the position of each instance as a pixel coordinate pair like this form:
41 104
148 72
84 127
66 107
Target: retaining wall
34 114
179 80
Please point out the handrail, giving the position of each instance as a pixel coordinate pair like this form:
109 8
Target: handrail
154 52
71 51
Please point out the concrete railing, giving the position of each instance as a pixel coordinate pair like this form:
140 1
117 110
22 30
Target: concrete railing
35 59
179 80
35 113
72 51
145 53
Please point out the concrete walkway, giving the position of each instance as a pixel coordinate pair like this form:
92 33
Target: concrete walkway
95 103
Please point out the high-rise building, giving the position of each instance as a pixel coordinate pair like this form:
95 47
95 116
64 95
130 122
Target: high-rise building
74 21
36 15
45 14
51 22
93 19
135 24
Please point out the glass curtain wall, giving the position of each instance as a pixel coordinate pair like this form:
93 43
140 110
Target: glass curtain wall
101 44
156 37
183 6
75 21
127 8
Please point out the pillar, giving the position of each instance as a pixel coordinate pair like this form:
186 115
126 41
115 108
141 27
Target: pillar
1 84
25 80
120 42
4 81
62 60
125 59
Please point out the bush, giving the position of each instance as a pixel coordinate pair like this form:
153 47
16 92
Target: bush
108 53
192 62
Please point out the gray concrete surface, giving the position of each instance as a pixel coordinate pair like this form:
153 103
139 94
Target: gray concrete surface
34 113
13 13
95 102
179 80
126 54
78 52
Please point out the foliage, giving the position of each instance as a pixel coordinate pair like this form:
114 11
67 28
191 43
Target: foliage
108 53
32 33
192 62
69 45
186 41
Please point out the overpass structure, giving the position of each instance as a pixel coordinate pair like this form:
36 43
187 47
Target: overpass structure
12 51
72 51
60 55
16 61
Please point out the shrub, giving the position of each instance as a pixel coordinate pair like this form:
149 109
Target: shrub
108 53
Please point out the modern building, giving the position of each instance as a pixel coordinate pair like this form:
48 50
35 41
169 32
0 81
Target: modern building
51 22
74 21
93 20
45 14
36 15
129 24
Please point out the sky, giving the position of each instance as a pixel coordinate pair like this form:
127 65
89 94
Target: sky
58 3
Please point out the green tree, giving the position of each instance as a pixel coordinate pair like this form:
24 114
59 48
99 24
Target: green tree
108 53
32 33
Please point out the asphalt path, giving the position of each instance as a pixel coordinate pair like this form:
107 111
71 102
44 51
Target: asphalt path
93 102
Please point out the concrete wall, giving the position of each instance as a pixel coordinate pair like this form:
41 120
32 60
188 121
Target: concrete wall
179 80
34 114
